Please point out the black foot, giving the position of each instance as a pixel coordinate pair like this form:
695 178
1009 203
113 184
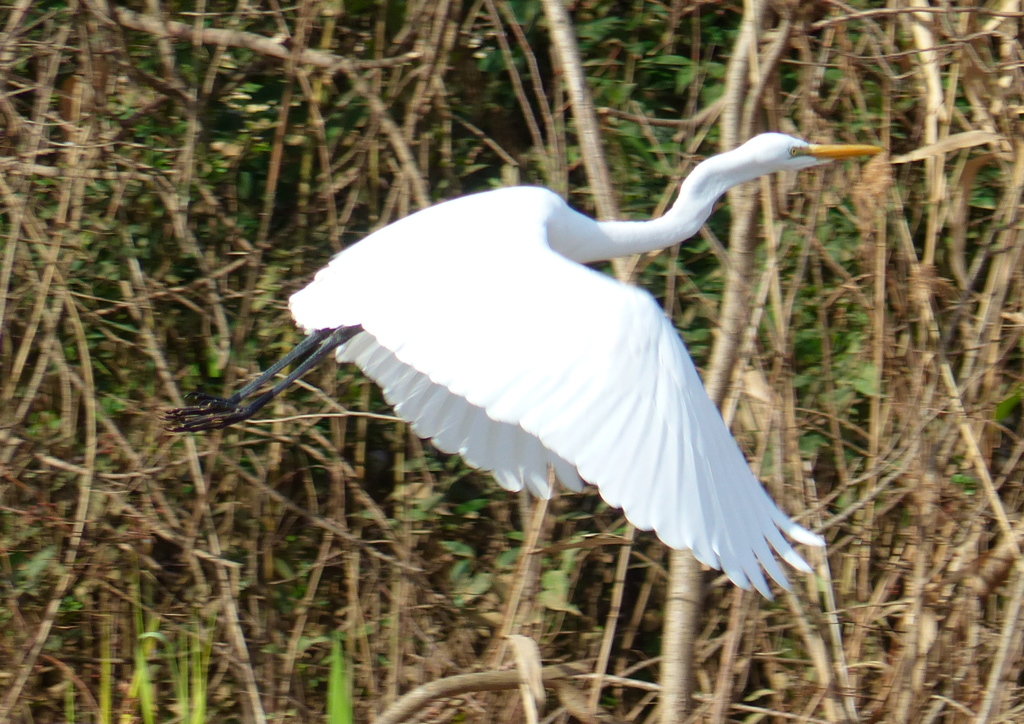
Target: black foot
209 413
203 399
213 413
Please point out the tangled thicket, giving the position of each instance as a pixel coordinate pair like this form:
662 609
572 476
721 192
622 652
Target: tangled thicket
163 191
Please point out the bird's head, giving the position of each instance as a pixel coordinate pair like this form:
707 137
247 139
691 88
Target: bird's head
779 152
763 154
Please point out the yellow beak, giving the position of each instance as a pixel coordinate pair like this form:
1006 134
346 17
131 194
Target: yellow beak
830 152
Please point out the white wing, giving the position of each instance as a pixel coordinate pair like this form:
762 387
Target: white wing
515 357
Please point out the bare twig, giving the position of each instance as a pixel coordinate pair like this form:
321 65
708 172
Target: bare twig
418 698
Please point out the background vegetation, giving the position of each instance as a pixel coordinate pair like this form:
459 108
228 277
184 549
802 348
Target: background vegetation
163 191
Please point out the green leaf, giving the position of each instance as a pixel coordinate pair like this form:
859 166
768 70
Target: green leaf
507 558
36 565
339 699
472 506
477 585
967 482
866 381
677 60
458 548
1007 405
555 593
810 443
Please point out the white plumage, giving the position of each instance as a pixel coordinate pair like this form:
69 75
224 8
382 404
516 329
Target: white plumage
513 356
486 332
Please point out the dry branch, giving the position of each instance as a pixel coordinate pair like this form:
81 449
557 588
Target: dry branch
270 47
417 699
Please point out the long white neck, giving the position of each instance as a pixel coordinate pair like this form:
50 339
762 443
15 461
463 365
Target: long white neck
585 240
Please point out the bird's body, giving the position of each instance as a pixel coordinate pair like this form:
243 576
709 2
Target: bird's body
514 356
485 331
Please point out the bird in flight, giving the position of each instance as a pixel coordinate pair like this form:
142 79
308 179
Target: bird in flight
486 332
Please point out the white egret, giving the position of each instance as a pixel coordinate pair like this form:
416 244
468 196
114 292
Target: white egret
488 335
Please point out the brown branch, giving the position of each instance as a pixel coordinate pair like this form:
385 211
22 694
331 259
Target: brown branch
854 15
419 697
682 604
695 121
564 39
15 167
241 39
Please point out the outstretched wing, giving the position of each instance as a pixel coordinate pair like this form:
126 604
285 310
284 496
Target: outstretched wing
502 350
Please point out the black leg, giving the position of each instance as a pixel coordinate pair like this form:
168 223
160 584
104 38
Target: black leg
208 402
213 413
311 340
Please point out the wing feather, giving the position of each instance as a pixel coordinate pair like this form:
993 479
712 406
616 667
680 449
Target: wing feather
519 358
450 421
